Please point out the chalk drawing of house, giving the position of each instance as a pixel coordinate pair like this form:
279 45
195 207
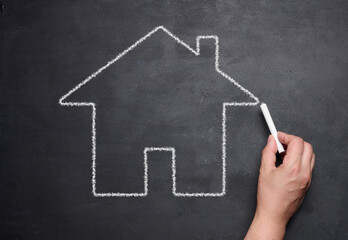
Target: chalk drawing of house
195 51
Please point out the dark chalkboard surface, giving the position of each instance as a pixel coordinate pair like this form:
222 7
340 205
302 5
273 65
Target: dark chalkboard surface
74 169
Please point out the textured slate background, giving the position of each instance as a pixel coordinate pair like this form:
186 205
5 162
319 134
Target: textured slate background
290 54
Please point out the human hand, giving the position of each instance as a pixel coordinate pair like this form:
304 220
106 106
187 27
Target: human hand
281 190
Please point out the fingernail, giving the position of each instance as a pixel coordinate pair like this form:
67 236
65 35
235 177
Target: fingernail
269 138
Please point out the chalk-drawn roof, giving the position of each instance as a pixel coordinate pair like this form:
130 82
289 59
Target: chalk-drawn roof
196 52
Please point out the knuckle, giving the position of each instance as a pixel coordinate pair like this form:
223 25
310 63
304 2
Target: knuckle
306 178
294 170
298 140
309 146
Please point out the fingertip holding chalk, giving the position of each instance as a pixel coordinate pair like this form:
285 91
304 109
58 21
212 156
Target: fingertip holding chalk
271 127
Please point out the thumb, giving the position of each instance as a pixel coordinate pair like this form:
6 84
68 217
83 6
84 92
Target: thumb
269 153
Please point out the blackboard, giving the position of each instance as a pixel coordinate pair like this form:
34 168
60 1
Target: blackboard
146 87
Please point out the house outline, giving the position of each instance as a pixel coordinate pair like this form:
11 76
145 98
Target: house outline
196 52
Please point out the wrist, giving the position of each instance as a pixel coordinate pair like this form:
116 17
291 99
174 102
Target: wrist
270 220
264 227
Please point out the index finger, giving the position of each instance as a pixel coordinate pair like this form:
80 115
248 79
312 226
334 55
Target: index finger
295 146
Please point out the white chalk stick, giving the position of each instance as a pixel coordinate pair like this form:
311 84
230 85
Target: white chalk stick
271 126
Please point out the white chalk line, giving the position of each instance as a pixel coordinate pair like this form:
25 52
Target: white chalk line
147 149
